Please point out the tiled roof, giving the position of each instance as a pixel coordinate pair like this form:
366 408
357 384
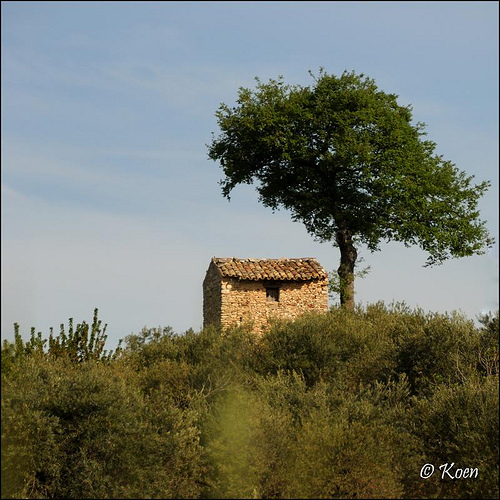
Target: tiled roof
270 269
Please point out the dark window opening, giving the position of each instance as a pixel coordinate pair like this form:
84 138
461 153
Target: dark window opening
273 294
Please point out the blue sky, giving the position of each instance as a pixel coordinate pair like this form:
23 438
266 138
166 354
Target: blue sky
108 197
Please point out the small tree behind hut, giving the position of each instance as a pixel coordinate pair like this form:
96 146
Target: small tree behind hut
346 160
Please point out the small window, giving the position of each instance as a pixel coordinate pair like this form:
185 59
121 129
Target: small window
273 294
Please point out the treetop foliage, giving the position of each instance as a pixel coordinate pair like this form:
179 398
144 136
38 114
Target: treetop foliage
344 155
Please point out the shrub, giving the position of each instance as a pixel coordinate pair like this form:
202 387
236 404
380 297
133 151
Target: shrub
347 404
459 424
83 431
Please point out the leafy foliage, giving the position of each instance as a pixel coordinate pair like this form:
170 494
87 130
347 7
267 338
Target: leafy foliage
347 404
346 160
78 345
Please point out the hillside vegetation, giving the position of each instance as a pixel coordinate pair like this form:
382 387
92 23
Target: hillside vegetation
347 404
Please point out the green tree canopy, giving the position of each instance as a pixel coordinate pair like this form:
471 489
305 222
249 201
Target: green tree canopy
346 160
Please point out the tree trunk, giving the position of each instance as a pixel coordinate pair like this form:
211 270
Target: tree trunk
348 256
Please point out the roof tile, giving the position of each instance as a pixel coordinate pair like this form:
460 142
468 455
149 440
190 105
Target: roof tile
304 269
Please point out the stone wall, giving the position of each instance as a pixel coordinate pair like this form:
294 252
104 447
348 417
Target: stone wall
212 298
245 300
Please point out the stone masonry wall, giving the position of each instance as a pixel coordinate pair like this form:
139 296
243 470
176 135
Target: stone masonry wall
245 300
212 298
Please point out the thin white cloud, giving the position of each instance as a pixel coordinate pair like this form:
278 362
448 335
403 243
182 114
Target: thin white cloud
192 87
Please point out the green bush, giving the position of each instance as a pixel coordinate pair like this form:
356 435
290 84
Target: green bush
459 424
321 346
87 431
347 404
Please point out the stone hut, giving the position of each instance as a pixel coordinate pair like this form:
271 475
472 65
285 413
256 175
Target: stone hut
241 290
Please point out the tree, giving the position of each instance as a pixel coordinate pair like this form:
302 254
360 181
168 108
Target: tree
346 160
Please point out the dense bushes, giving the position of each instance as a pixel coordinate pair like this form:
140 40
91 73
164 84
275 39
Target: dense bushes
85 431
348 404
